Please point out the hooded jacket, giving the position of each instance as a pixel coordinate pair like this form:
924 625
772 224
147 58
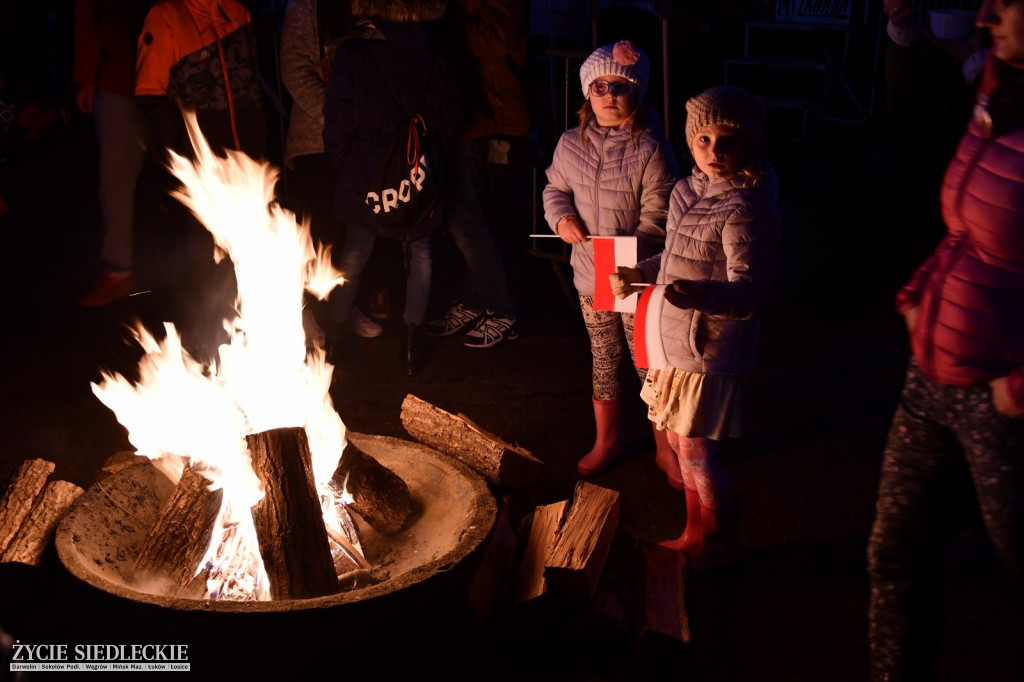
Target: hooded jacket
184 52
616 184
729 234
970 292
391 70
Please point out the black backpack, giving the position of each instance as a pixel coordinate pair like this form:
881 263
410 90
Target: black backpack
405 189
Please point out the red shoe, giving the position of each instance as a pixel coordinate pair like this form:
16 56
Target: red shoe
108 288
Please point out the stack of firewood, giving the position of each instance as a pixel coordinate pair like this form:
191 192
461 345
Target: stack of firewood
559 552
30 509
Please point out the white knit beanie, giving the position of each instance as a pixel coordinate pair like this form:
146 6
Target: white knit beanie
624 59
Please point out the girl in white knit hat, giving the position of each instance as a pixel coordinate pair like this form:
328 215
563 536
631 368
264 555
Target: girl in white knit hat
720 254
611 176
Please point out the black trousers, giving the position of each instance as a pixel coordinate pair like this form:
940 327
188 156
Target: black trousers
949 456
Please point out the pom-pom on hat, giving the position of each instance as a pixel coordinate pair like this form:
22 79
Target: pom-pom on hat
624 59
726 105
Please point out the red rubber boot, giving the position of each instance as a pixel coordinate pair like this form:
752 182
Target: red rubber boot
608 445
693 535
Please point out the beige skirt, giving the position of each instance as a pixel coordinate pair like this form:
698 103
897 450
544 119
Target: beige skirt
694 405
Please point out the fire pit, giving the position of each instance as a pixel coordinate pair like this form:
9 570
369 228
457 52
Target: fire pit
453 511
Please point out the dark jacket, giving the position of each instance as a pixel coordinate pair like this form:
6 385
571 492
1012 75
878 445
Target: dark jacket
970 292
388 60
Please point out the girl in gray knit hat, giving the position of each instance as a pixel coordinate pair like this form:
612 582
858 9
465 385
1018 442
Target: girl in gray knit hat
721 251
611 176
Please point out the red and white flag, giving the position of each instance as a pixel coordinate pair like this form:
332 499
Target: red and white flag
648 347
610 253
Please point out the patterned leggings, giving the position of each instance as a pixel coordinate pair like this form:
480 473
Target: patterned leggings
611 335
702 469
948 454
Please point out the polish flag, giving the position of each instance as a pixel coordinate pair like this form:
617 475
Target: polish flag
648 348
610 253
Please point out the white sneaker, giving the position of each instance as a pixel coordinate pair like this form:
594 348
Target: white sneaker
363 326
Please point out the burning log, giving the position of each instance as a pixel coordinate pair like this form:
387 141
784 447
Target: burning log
378 494
176 543
581 544
497 461
289 523
33 536
16 503
664 608
547 520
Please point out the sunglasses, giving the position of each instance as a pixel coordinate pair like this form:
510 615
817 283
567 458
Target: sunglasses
618 88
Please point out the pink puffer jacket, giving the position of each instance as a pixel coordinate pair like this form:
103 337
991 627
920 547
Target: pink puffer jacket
970 292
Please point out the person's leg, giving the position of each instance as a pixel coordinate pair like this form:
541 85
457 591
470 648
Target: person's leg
693 534
122 135
418 275
607 348
359 242
473 237
993 446
920 508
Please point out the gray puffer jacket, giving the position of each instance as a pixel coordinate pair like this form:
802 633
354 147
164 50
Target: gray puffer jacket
615 185
729 234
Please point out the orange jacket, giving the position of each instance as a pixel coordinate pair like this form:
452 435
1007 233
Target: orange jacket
185 50
105 35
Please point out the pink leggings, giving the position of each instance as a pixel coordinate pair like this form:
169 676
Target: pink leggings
701 468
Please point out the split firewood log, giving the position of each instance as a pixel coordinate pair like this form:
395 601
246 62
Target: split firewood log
378 494
491 576
25 486
547 519
176 543
36 531
664 606
289 522
494 459
582 542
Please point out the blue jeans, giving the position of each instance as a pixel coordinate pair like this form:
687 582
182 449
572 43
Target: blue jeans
485 288
358 246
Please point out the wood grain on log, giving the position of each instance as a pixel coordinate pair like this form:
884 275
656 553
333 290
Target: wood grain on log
378 494
177 542
495 460
664 606
25 485
36 531
547 520
289 523
574 564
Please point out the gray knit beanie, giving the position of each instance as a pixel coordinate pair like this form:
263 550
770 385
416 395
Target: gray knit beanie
624 59
727 105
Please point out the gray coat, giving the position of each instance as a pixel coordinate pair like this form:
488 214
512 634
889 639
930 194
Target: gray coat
616 185
726 233
302 74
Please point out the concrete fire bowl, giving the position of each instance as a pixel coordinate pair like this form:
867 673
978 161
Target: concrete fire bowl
102 533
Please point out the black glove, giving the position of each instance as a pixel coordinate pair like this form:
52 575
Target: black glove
687 293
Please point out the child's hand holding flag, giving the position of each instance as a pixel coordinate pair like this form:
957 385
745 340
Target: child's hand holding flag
623 279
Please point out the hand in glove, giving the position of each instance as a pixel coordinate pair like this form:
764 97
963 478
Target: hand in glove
687 293
623 280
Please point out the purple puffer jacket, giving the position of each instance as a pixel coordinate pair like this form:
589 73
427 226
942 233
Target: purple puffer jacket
970 292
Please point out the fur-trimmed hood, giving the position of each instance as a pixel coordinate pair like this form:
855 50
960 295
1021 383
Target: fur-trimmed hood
401 11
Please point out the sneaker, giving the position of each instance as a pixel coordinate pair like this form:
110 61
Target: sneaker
490 330
363 326
456 318
108 288
379 304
